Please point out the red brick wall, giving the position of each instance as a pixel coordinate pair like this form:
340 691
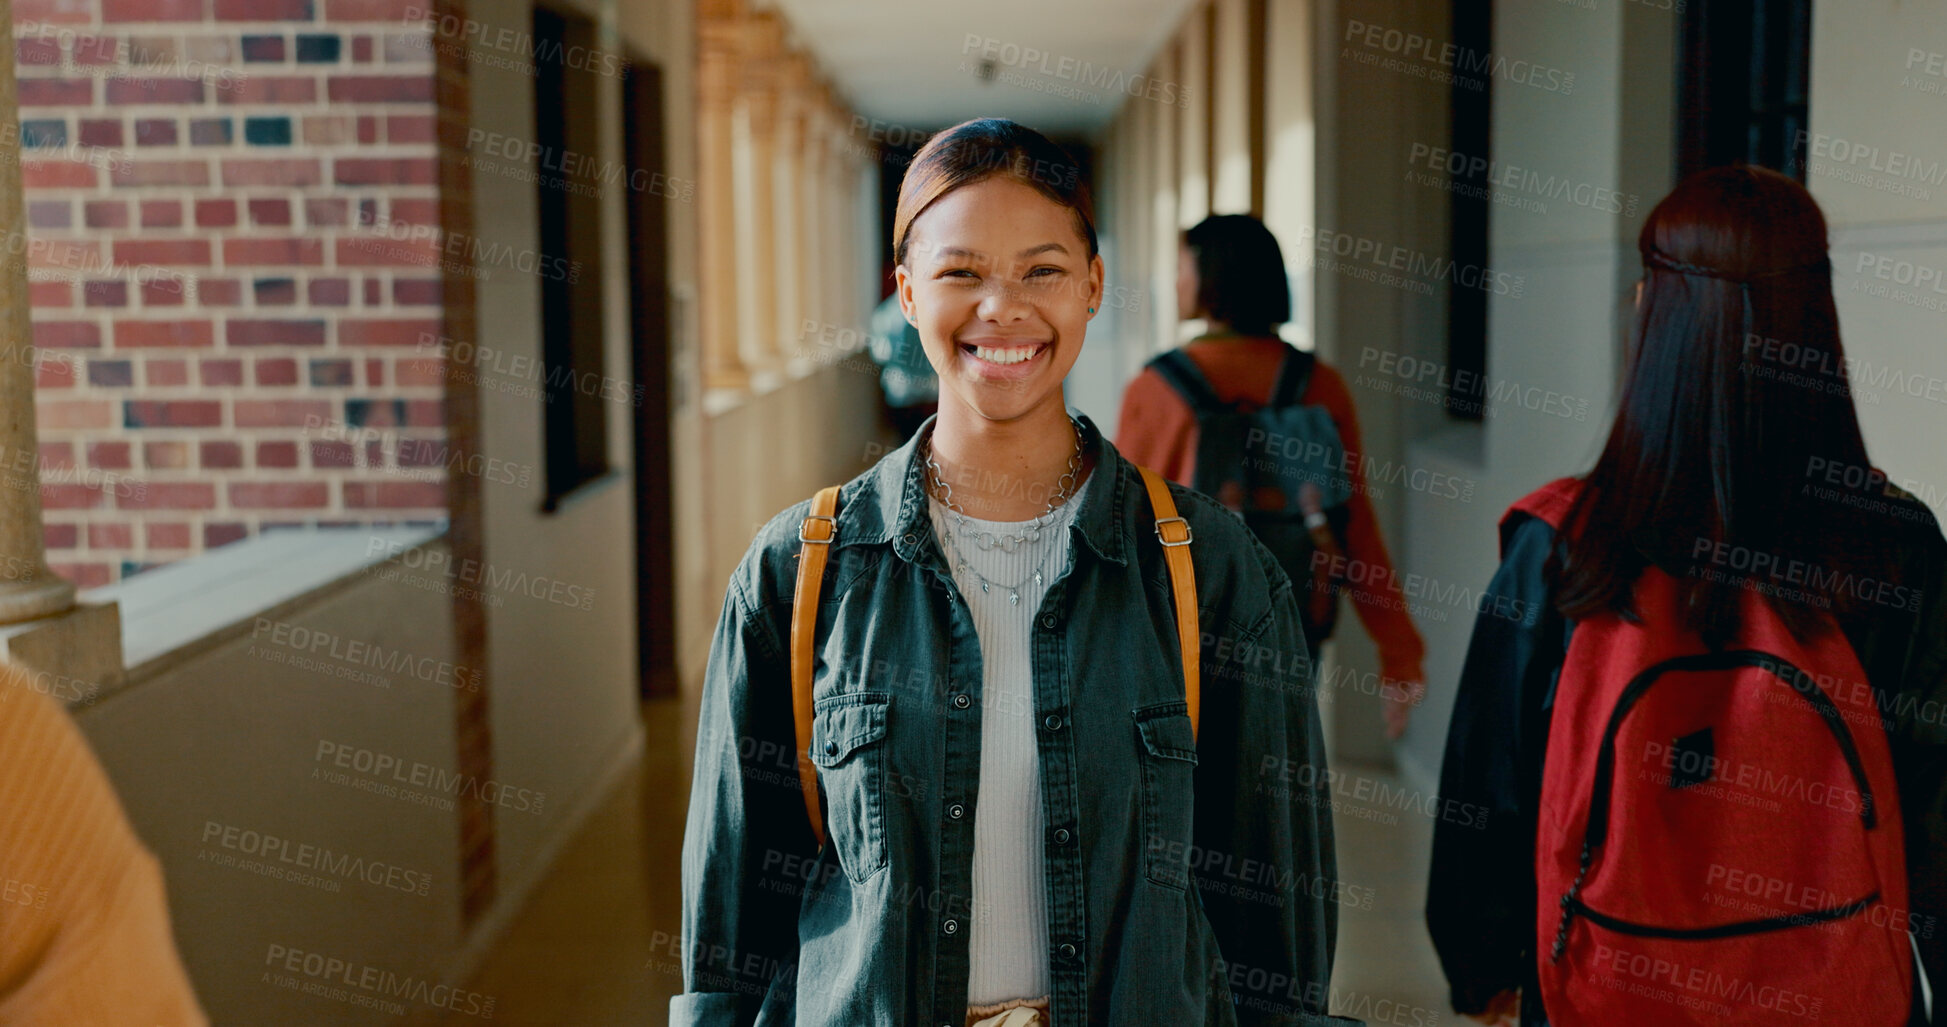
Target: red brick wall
466 536
232 207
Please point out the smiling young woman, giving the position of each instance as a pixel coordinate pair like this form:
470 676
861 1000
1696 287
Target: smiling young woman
1000 273
1025 814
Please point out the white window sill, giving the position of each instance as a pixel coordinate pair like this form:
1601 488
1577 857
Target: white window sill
764 381
175 612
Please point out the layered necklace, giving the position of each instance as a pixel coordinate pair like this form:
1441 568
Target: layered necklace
1004 541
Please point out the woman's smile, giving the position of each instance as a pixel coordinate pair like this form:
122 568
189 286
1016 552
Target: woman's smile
1008 360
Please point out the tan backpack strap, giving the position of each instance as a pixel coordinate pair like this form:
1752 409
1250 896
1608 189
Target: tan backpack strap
1174 532
815 536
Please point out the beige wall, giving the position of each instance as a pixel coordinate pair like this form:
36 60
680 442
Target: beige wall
1870 90
233 738
564 678
1362 194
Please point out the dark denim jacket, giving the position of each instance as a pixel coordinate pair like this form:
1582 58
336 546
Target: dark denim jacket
1189 881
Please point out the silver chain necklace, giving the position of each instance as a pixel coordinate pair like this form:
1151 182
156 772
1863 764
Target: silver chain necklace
986 540
1005 542
987 584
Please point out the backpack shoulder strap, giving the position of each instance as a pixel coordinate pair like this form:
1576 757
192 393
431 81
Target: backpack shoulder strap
1551 502
815 537
1174 532
1294 377
1182 374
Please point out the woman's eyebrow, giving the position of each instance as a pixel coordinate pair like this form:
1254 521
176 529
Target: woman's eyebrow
958 251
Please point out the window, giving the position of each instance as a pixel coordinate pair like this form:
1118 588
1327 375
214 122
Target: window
1746 68
576 416
1473 100
643 150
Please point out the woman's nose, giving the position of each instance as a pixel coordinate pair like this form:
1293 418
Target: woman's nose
1003 303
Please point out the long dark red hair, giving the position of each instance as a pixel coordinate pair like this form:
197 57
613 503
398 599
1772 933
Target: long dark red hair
1714 434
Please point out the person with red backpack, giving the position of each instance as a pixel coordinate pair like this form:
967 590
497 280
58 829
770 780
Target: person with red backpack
1703 702
1269 431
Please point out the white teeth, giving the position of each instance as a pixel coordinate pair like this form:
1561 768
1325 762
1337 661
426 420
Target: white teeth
1012 355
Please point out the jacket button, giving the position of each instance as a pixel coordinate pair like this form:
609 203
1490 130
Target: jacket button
962 701
1067 950
831 748
1061 836
909 538
1048 621
956 811
1053 722
951 927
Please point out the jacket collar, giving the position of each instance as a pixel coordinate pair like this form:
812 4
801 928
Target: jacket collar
888 502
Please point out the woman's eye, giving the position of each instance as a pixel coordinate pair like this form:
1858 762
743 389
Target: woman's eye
957 272
1047 268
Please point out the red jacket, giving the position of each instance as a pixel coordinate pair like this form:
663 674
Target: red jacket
1158 430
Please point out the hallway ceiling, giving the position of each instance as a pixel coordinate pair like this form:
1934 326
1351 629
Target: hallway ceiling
1062 66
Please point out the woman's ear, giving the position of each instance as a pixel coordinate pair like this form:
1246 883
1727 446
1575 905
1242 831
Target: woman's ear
1096 274
904 288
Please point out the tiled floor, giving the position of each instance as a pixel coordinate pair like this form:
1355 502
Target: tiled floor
598 944
1386 971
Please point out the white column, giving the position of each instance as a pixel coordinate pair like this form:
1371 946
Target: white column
716 86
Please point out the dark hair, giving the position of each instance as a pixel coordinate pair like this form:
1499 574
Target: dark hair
1240 273
1711 447
980 149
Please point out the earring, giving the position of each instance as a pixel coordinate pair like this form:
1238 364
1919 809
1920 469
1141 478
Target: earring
1091 310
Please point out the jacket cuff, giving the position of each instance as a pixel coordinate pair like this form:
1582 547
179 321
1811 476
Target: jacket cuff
1472 999
1395 666
713 1009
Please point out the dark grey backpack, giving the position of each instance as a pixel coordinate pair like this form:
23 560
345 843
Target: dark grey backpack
1256 461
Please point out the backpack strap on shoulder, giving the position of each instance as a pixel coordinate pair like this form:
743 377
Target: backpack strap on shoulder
1294 377
1182 374
1551 502
1174 532
815 537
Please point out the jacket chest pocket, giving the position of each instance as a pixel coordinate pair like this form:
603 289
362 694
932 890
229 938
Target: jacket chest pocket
848 743
1169 763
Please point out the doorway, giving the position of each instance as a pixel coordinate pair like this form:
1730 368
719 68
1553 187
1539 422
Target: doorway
649 326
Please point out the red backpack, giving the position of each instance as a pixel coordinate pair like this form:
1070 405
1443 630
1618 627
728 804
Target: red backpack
1719 840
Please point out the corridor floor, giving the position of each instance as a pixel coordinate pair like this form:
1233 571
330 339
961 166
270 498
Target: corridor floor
597 945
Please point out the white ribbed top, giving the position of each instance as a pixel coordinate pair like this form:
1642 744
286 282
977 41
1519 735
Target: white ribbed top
1009 931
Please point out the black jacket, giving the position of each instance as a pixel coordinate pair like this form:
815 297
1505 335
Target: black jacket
1481 896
